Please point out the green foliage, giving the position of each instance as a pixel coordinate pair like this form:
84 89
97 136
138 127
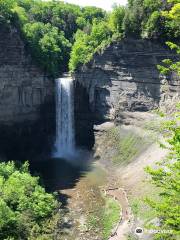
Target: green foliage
92 13
132 20
143 19
168 66
173 24
167 176
127 145
53 29
116 19
21 14
48 28
105 218
81 51
141 210
172 17
48 45
60 15
110 217
152 19
6 10
24 205
87 44
167 179
152 25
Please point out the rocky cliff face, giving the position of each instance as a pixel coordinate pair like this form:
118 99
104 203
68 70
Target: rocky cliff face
125 78
84 121
26 99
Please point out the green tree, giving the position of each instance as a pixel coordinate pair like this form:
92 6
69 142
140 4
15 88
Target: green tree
6 10
49 28
167 179
116 18
168 65
81 51
100 32
143 18
87 44
25 208
133 19
172 17
167 176
92 13
48 44
61 15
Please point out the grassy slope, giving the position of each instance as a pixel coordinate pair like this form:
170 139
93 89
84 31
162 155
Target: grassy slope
106 217
126 147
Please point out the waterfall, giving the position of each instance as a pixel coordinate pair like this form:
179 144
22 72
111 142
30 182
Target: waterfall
65 144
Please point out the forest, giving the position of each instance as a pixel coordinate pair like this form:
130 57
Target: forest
61 38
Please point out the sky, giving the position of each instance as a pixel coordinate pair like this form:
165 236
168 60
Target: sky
105 4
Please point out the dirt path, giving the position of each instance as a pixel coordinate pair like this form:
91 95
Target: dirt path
132 177
120 195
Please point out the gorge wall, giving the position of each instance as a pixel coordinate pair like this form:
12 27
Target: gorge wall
27 117
124 78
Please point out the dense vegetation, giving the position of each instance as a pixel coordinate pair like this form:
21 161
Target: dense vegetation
167 178
60 34
26 210
140 19
48 28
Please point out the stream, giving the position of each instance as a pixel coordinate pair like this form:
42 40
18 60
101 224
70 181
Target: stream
79 188
77 177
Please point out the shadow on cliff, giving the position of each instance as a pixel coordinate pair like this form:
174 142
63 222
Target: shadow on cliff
84 118
56 174
93 86
60 174
29 140
34 140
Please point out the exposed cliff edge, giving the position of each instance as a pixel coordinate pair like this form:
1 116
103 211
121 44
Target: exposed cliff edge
125 78
26 100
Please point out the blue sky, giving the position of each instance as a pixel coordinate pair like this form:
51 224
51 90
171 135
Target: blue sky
105 4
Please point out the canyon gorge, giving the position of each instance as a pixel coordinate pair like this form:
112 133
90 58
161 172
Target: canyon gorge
120 85
117 82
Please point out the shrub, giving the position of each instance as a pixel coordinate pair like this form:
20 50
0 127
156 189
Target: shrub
24 205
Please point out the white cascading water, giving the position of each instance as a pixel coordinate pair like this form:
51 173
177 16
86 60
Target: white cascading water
65 144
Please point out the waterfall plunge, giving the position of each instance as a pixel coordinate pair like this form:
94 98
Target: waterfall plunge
65 144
